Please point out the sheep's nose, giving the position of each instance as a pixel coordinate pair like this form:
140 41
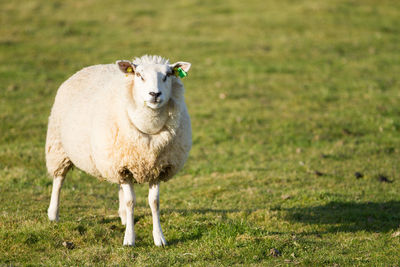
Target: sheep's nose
155 94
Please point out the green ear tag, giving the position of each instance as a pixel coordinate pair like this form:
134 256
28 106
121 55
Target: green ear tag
180 72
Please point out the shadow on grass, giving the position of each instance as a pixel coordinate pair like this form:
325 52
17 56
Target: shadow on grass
350 216
189 237
200 211
197 232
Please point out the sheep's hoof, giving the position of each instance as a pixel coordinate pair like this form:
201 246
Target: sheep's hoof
129 240
53 216
159 240
129 244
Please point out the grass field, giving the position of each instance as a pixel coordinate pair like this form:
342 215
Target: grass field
288 100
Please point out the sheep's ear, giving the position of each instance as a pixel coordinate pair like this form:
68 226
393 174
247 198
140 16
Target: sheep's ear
126 66
185 66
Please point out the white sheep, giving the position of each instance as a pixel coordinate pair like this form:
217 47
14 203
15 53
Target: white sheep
125 123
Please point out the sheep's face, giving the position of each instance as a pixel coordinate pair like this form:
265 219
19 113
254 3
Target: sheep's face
153 82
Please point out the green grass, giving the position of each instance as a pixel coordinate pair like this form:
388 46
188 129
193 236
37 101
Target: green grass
288 99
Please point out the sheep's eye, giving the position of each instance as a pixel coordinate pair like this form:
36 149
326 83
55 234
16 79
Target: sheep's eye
138 74
167 75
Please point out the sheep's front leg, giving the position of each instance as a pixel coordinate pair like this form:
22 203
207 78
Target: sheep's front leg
154 202
122 209
52 212
129 200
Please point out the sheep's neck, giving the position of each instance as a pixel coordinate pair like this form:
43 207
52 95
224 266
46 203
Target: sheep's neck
147 120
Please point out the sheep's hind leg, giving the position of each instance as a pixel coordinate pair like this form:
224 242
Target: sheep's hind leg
122 209
154 202
58 164
129 201
52 212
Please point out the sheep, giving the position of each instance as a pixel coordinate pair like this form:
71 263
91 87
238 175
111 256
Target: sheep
125 123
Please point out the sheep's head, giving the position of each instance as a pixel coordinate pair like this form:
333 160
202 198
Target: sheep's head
153 81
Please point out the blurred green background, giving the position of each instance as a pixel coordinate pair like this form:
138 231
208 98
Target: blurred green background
288 99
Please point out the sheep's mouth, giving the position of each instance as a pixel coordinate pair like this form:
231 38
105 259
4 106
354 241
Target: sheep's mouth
155 103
